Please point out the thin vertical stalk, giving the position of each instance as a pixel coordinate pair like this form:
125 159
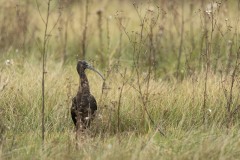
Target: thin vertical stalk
207 66
108 36
208 58
119 100
100 34
192 25
230 99
231 112
230 56
84 38
120 40
100 29
181 42
45 39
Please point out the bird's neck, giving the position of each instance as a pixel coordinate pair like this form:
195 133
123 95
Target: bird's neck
84 85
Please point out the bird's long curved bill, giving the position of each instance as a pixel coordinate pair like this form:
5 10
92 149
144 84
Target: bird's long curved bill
93 69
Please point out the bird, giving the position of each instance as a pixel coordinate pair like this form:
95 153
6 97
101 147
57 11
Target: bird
84 105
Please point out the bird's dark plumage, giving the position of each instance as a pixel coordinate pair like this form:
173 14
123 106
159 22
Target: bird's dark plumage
84 104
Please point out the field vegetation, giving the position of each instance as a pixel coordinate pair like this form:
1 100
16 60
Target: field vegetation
171 88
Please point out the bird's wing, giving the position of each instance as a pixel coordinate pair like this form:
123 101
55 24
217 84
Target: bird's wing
73 110
74 103
93 103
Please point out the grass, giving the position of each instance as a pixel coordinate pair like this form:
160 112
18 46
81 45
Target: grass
178 114
149 87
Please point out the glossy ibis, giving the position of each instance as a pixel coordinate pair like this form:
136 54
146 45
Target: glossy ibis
84 104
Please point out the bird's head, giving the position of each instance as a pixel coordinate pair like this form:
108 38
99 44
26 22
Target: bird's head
82 65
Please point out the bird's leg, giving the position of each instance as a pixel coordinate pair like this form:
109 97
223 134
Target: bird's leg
79 124
88 118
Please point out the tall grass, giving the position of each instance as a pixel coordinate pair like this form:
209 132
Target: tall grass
179 114
169 67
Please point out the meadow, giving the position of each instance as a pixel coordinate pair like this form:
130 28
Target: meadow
171 88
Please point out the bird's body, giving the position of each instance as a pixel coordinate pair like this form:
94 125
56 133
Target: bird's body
84 104
86 113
